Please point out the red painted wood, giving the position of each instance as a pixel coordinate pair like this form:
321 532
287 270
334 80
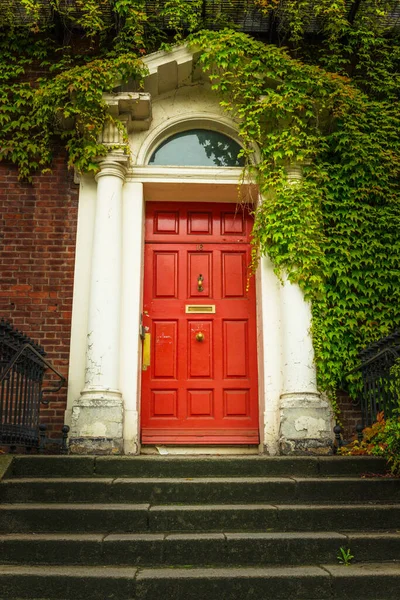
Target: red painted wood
164 349
199 263
166 274
202 392
235 347
163 404
194 223
233 274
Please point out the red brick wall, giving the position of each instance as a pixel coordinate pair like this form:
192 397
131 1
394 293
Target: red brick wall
37 244
350 415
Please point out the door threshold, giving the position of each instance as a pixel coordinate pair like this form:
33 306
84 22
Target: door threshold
199 450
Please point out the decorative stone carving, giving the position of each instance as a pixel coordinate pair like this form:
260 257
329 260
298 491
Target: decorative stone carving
131 108
112 134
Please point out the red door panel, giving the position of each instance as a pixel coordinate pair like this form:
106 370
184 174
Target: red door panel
164 404
201 385
200 355
235 347
165 349
199 274
236 403
165 275
234 274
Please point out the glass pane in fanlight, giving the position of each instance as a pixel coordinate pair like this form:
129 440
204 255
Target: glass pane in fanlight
198 148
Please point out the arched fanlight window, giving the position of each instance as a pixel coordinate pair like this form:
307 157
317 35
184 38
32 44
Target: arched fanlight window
198 148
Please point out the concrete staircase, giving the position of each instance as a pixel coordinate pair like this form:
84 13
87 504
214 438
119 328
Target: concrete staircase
155 528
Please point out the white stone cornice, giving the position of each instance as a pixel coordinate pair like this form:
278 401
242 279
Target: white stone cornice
227 175
131 108
170 70
179 54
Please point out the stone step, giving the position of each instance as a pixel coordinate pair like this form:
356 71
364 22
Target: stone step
328 581
363 581
278 517
71 518
190 466
198 549
136 518
202 490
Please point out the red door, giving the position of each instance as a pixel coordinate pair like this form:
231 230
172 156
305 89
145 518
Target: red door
201 384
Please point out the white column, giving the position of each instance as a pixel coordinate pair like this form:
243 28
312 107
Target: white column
306 417
133 216
299 374
271 356
80 306
96 423
102 362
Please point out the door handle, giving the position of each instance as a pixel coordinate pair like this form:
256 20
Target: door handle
199 336
146 351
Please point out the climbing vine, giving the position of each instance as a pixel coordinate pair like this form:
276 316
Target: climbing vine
320 91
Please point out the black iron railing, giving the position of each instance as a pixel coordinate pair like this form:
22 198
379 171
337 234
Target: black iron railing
22 368
244 14
380 383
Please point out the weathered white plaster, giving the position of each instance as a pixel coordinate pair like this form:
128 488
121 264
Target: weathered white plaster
305 417
95 429
269 347
311 426
102 361
96 423
132 274
100 399
299 374
80 307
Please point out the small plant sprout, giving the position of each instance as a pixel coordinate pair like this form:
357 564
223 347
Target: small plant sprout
345 556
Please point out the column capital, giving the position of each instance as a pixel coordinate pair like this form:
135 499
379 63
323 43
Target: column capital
294 173
113 164
128 111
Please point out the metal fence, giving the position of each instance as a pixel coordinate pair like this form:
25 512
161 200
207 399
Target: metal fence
22 367
246 15
380 383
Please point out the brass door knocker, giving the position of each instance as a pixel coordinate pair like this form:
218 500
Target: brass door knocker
200 280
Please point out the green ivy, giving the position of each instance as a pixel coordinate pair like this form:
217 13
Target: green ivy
322 92
335 232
